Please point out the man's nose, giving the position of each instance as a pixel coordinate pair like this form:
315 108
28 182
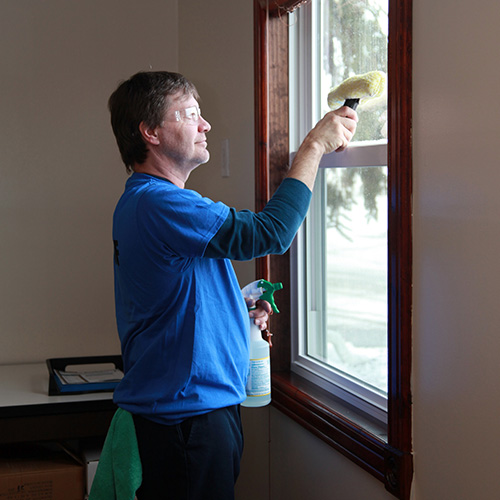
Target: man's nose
204 126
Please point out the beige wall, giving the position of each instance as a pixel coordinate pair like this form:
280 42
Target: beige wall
60 172
60 177
456 248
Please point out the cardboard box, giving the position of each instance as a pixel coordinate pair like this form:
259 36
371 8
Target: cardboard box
39 472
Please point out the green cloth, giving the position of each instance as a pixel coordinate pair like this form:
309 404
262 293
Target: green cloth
119 473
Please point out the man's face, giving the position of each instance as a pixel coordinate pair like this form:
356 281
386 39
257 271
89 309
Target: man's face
183 135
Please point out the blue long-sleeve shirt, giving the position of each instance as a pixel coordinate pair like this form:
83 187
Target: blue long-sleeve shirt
172 271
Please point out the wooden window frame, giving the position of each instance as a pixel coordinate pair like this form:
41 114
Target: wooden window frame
390 460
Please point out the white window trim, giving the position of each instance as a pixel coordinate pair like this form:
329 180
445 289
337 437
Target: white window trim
362 154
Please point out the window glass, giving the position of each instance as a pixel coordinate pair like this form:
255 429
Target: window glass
353 41
356 275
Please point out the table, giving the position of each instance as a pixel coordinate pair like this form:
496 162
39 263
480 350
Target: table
28 413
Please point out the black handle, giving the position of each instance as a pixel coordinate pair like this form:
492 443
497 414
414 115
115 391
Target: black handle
352 103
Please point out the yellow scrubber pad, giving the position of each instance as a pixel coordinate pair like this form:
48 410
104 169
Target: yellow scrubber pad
360 87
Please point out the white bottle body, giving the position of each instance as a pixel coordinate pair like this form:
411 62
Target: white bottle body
258 386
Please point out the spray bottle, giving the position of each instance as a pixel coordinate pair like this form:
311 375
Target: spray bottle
259 377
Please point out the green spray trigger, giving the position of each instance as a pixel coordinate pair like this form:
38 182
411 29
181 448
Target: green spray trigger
269 289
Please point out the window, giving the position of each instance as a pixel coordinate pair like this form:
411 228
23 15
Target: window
339 336
383 449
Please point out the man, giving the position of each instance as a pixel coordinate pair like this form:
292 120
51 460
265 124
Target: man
181 317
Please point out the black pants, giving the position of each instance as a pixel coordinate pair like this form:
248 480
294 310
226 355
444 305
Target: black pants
198 459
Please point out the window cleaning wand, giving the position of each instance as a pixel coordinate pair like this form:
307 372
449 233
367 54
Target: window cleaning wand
258 386
357 89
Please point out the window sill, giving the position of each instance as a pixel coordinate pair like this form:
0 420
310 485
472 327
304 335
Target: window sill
356 436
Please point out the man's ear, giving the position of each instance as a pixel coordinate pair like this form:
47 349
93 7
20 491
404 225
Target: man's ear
149 134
